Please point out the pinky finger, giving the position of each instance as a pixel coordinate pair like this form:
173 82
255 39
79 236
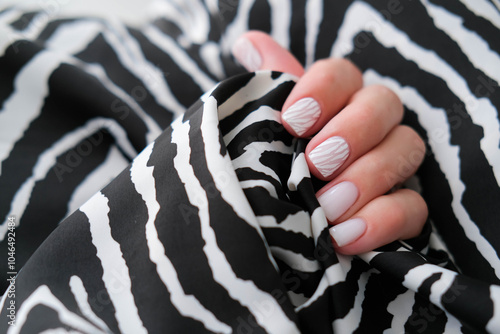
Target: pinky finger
399 215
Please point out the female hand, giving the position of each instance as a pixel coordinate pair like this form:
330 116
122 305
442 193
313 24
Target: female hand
357 144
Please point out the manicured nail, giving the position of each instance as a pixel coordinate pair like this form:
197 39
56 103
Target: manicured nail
302 115
348 231
244 51
338 199
328 156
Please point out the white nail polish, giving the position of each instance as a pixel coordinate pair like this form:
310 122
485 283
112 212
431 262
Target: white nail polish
302 115
348 231
338 199
328 156
244 51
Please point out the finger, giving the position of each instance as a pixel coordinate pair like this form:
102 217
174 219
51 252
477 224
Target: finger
399 215
362 124
319 95
392 162
256 50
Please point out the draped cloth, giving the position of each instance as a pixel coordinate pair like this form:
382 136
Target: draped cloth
148 185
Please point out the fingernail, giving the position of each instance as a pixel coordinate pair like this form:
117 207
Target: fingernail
338 199
244 51
348 231
328 156
302 115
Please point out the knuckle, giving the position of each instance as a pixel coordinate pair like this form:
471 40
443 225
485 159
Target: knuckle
417 147
398 215
390 97
332 68
386 93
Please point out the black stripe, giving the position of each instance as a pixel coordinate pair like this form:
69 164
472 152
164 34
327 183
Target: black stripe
380 290
99 51
297 31
16 56
23 21
259 17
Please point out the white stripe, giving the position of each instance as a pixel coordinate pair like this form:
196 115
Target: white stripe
109 253
334 274
493 325
297 222
453 325
179 56
294 260
43 296
97 179
47 160
210 53
73 37
263 113
9 16
239 25
435 123
300 171
59 331
281 16
129 52
296 299
472 45
361 16
401 308
416 276
350 322
314 15
253 152
24 105
213 6
82 297
248 184
318 223
144 183
484 9
190 16
263 306
261 84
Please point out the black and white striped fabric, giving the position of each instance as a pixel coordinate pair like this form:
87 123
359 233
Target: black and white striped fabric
210 223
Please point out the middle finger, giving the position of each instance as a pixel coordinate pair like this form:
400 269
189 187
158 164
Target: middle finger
368 117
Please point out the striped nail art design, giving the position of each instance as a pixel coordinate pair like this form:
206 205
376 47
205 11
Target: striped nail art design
328 156
302 115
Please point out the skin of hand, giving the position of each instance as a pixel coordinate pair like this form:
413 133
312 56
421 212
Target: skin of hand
357 145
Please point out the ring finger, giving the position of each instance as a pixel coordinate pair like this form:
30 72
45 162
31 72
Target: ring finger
393 161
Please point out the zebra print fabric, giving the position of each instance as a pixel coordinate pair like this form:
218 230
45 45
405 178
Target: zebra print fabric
214 226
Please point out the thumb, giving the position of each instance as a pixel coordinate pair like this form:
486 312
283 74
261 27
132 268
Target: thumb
256 50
